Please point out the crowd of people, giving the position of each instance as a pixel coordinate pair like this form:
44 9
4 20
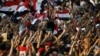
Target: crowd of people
50 28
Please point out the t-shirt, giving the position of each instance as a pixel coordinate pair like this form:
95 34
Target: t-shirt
22 50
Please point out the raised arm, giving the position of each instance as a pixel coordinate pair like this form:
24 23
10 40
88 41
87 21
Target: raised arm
46 37
93 46
64 30
11 49
71 49
23 42
39 39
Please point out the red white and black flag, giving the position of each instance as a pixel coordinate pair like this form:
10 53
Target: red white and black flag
64 14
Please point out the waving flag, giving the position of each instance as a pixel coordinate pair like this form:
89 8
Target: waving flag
10 5
63 14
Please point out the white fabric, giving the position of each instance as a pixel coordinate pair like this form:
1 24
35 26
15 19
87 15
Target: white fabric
38 5
21 29
19 18
63 15
82 3
54 32
83 29
68 45
22 53
38 11
92 2
3 15
21 9
10 8
33 22
97 25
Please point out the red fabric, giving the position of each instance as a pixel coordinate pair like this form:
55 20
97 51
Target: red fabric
41 49
27 23
21 48
38 15
26 3
23 16
34 4
63 11
96 21
44 15
49 44
56 27
41 15
10 3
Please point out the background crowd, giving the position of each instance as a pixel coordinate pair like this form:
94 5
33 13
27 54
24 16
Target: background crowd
50 28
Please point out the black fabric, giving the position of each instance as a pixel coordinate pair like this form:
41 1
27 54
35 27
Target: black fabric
59 2
42 5
50 25
65 19
14 19
1 3
7 12
34 27
0 18
14 16
17 14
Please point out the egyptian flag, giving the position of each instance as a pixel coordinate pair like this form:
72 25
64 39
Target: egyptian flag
36 4
9 6
63 15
